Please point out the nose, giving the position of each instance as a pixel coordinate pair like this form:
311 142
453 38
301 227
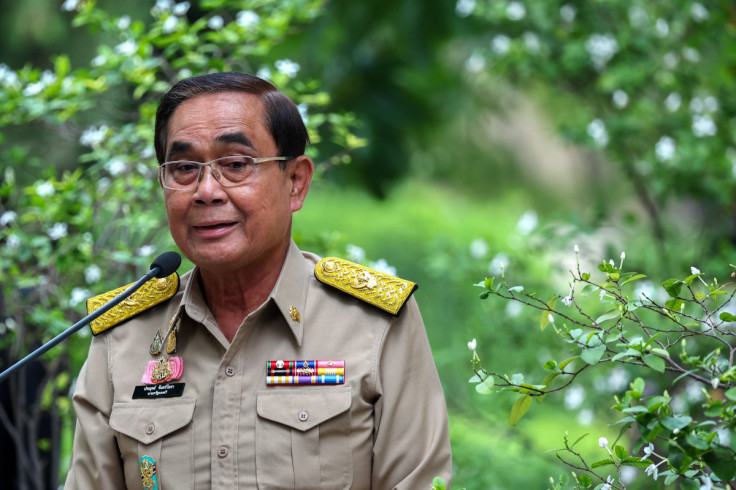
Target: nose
208 189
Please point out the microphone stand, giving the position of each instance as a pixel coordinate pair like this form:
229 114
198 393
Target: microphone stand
81 323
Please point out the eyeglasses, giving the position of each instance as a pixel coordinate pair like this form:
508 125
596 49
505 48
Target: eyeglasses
231 171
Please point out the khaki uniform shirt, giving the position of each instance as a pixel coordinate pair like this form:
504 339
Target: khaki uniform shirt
385 427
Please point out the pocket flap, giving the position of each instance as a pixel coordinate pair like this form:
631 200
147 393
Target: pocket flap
148 422
303 409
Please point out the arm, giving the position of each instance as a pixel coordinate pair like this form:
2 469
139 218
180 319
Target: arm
411 441
95 459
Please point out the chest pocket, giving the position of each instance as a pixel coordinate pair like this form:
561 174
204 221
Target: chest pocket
302 438
161 430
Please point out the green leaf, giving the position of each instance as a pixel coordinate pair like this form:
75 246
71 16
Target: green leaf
488 283
731 394
620 451
609 316
593 355
603 462
661 352
653 361
673 423
722 462
585 481
486 387
516 289
550 365
588 289
635 462
579 439
585 276
438 483
673 287
564 363
636 409
697 442
614 276
519 409
634 278
727 317
476 378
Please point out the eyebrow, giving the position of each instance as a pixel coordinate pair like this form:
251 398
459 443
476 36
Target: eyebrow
229 138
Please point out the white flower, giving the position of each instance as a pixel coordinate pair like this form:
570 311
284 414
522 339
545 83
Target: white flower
670 60
45 189
181 8
662 27
69 5
93 135
704 126
33 89
698 12
516 11
8 217
623 255
531 41
115 166
710 103
472 345
665 149
264 73
215 23
691 54
92 274
648 450
597 131
527 222
475 63
707 483
163 5
568 13
567 301
13 242
550 318
78 295
501 44
463 8
478 248
382 266
638 17
123 22
574 397
497 263
715 383
355 253
601 48
98 60
576 249
620 99
694 270
652 470
57 231
145 250
170 24
673 102
609 482
603 442
127 48
610 261
247 18
287 67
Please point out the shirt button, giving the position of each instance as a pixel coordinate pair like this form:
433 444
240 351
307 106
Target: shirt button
303 415
150 428
230 371
222 452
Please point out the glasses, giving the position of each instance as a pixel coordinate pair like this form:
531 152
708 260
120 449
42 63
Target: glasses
231 171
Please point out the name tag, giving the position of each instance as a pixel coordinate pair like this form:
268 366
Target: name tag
166 390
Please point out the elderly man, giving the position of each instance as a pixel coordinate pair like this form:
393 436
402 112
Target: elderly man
264 367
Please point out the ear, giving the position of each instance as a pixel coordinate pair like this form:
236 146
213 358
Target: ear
300 171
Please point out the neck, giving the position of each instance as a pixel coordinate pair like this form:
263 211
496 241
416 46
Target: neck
233 296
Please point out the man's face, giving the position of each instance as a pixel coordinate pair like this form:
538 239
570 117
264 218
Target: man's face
235 229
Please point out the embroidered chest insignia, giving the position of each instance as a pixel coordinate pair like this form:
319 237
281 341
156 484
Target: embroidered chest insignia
376 288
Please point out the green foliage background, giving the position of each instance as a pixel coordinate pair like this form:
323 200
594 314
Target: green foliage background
412 108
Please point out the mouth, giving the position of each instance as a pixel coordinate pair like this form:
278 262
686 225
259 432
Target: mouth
214 229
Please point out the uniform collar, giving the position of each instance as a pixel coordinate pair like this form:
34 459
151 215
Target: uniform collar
289 295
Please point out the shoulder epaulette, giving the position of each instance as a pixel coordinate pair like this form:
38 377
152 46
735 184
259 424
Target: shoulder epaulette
381 290
153 292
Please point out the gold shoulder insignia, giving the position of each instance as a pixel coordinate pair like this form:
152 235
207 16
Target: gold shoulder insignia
381 290
149 295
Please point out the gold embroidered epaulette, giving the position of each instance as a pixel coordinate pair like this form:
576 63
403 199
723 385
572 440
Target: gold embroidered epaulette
381 290
153 292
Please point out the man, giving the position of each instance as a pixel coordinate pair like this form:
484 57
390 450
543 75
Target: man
264 367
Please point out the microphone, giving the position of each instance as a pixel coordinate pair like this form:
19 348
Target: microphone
164 265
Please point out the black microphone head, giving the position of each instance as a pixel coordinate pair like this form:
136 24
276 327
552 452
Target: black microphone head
166 263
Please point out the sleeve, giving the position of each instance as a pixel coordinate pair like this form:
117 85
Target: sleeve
411 439
95 461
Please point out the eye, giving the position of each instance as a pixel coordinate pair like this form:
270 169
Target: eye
184 167
236 163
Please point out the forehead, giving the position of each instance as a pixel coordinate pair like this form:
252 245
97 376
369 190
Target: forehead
198 122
